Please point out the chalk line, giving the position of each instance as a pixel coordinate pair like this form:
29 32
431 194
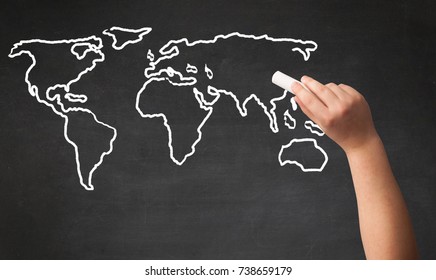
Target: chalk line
150 55
165 120
314 128
81 98
282 163
174 50
168 52
191 69
208 71
294 104
287 116
33 90
142 32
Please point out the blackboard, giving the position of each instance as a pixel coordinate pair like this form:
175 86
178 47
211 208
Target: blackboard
230 199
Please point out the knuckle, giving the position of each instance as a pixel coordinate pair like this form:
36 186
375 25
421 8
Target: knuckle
308 102
311 83
344 110
356 100
360 98
325 90
328 121
314 84
344 87
352 103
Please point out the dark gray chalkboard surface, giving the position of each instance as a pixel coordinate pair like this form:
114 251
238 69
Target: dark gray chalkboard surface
230 199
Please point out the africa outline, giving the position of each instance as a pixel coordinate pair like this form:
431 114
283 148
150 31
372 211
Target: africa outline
94 44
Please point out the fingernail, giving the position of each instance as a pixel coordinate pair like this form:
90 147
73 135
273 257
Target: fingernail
304 78
295 86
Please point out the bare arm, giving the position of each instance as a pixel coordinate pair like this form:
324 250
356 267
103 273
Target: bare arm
345 117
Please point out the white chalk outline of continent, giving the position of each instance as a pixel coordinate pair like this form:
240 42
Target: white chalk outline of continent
166 54
296 140
144 31
165 120
33 90
174 51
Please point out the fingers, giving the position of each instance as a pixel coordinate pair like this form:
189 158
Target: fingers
349 89
321 102
338 91
306 111
327 96
313 107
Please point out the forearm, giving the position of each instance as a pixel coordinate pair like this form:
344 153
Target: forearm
344 115
384 221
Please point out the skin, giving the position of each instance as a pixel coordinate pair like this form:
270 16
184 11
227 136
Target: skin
345 117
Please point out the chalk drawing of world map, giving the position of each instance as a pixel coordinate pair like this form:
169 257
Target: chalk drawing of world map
166 77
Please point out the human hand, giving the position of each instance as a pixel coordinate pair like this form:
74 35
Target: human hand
340 110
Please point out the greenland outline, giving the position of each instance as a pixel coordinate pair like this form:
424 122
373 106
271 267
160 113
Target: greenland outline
33 91
144 31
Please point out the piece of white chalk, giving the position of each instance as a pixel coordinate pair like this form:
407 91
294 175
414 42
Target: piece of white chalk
284 81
